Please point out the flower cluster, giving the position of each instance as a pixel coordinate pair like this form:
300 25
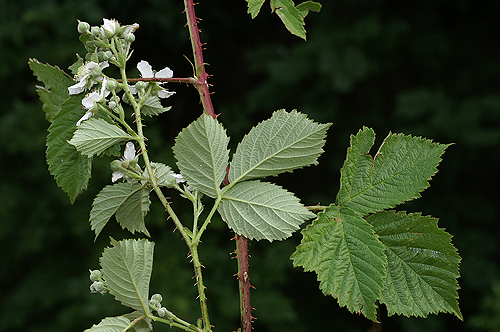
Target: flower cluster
110 44
98 285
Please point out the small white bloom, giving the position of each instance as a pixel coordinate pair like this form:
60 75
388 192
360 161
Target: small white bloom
86 116
147 72
84 77
130 29
178 178
128 155
90 101
109 28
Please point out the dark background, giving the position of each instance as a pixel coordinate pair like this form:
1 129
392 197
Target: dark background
428 68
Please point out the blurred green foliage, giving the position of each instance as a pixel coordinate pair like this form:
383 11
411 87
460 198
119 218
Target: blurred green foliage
428 68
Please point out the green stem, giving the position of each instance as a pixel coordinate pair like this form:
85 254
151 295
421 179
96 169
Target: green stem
201 288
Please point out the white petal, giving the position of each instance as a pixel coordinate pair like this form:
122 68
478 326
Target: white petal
130 28
86 116
165 94
129 153
178 178
89 101
116 175
145 69
78 87
133 90
165 73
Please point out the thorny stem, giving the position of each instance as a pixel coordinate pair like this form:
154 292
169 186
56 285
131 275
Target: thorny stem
242 242
201 74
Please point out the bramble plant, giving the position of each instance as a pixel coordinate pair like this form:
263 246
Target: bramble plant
363 253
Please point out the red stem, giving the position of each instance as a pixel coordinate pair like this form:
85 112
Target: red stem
202 84
241 241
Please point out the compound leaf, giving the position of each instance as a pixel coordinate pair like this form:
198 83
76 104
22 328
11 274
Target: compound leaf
398 173
126 269
70 169
110 324
260 210
284 142
94 136
55 89
202 154
128 201
343 250
423 265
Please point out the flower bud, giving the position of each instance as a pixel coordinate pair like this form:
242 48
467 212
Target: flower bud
157 297
107 55
115 165
83 27
111 84
95 31
129 38
95 275
162 311
97 287
141 85
112 105
170 181
96 71
110 28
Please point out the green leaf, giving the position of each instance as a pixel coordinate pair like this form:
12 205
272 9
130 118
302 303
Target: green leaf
55 90
126 269
128 201
343 250
283 143
423 265
306 6
290 16
110 324
202 154
161 172
94 136
260 210
398 173
70 168
152 106
254 7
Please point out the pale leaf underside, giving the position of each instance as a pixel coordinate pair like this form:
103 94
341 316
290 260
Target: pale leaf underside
286 141
110 324
126 269
343 250
94 136
260 210
423 265
202 154
129 201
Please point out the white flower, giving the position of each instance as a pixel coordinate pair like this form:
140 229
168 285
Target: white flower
89 102
128 155
147 72
84 77
129 29
110 28
178 178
